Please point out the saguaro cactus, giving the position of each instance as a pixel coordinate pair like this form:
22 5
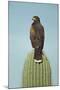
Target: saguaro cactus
35 74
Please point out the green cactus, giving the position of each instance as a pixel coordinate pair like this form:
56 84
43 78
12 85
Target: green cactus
35 74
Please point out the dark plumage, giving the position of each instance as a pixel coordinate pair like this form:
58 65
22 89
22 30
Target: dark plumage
37 37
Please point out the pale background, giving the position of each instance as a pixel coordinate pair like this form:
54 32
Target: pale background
4 44
20 19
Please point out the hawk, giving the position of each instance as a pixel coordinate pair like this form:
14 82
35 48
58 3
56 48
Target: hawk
37 38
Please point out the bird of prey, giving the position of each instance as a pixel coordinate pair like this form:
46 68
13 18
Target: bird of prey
37 38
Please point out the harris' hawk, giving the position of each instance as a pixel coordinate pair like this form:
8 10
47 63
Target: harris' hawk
37 38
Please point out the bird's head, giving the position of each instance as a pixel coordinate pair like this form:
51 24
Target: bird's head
36 19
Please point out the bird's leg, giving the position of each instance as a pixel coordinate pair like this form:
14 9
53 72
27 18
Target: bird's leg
38 54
